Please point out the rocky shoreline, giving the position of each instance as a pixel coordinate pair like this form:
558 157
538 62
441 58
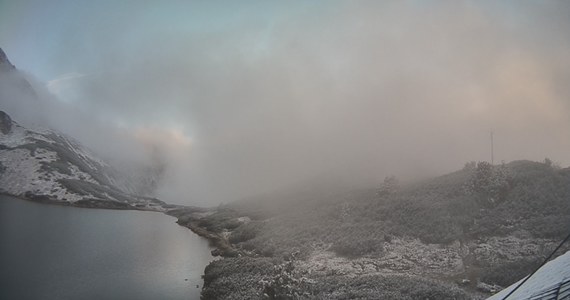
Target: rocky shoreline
190 217
222 245
247 273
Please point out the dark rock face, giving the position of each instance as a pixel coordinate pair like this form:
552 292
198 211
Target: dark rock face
4 62
5 123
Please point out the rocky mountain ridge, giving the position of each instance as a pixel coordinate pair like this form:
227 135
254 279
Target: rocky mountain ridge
43 165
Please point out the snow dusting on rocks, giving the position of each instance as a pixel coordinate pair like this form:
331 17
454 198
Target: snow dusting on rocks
407 255
42 165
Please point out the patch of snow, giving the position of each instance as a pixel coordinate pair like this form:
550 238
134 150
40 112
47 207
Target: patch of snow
244 220
406 255
80 175
225 233
15 138
43 131
23 174
34 135
496 249
43 155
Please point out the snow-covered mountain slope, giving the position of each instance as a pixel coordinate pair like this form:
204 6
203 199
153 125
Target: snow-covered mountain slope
43 165
550 282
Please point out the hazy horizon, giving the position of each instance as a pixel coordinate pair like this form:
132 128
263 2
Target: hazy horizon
243 98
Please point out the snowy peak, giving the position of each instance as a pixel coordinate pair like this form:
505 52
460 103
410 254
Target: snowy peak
5 122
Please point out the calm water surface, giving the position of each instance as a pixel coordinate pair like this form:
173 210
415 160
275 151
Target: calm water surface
55 252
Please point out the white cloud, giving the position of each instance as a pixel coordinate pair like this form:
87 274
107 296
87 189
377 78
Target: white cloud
65 86
358 90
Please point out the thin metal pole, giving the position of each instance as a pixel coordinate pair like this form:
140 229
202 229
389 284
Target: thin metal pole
492 150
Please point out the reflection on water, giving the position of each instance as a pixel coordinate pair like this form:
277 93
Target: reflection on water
55 252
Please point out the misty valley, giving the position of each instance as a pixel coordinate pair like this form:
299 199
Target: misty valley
414 150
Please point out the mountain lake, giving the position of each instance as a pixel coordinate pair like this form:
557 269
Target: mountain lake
56 252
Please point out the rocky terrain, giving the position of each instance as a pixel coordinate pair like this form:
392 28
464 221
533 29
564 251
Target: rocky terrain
465 235
43 165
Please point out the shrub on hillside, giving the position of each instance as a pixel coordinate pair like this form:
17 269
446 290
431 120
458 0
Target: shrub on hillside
236 278
357 247
490 182
390 186
245 232
286 282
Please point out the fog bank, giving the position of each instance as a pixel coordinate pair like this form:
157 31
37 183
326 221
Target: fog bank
274 95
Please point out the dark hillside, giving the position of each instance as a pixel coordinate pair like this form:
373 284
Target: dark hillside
488 224
538 202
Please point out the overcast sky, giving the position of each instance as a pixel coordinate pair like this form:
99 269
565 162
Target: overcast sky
250 96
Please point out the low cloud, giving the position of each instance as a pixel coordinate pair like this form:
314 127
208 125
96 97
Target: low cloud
353 91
